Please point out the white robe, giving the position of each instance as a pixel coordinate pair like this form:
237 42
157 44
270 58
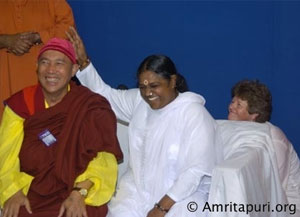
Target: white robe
250 173
172 150
122 133
288 166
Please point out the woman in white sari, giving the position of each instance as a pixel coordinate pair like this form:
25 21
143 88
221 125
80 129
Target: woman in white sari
171 140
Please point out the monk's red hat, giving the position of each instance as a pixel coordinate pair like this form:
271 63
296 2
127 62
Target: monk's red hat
61 45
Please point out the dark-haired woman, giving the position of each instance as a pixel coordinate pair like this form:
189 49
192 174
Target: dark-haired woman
171 140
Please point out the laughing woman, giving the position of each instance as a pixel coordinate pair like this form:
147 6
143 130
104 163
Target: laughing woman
171 139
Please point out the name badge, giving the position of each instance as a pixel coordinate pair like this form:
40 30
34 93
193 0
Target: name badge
47 138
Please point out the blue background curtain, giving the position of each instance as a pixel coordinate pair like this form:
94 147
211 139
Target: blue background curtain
213 43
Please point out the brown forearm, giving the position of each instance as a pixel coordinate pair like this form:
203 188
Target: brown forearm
4 41
166 202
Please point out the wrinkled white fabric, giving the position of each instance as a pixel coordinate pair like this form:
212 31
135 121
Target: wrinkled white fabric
172 150
288 165
122 133
249 174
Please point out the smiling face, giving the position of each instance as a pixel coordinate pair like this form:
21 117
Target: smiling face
55 70
156 90
238 110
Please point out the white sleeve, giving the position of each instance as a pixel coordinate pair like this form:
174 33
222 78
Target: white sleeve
288 165
121 101
197 155
282 148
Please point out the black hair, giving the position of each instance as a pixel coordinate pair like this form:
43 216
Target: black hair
122 87
163 66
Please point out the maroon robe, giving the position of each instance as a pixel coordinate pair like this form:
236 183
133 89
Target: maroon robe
83 124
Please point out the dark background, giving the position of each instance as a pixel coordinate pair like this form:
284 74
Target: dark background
213 43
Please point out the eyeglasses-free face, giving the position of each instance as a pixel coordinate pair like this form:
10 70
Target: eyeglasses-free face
156 90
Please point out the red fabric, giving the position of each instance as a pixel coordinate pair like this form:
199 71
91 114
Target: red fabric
61 45
83 124
27 101
29 98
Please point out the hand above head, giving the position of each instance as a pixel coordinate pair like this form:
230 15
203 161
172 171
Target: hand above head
13 204
73 206
78 45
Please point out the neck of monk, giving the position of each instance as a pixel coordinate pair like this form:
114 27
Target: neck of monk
54 98
52 102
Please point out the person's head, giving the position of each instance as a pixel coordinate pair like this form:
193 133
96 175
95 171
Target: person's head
251 101
56 66
159 81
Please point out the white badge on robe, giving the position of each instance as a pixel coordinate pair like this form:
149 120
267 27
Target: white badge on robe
47 138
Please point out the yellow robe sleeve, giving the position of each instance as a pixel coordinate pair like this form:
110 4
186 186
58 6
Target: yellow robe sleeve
102 171
11 138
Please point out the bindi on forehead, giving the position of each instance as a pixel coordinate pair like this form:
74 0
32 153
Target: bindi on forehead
146 82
